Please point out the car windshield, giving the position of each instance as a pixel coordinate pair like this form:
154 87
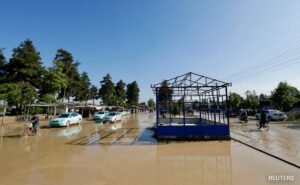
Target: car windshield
101 113
64 116
112 114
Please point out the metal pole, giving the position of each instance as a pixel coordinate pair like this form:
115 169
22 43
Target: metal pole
170 119
206 107
227 106
184 111
223 109
2 122
218 106
200 117
214 104
157 108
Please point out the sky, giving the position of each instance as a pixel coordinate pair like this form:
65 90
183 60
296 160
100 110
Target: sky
152 40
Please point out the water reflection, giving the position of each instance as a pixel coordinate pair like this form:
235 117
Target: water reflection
69 132
191 163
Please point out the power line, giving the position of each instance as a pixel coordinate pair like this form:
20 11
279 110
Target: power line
268 67
271 69
286 52
273 60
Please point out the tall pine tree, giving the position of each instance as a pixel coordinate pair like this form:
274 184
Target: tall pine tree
83 93
120 93
132 94
3 64
70 70
107 91
94 93
25 65
53 81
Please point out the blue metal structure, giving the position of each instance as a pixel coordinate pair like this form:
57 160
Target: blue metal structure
192 106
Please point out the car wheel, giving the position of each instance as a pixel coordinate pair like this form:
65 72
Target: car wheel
270 118
68 123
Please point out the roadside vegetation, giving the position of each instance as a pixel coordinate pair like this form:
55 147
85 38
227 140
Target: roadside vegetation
284 97
24 81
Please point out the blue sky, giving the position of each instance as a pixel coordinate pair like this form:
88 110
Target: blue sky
152 40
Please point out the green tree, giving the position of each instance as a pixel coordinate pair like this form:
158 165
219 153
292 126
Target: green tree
17 94
25 65
54 80
11 93
284 96
196 105
164 95
3 64
48 98
235 101
84 84
252 100
263 96
2 58
94 93
176 107
132 94
28 95
120 93
151 103
107 91
69 68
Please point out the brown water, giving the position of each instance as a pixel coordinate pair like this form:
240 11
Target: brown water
282 140
125 153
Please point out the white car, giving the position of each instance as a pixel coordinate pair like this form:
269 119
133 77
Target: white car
274 115
100 115
113 117
66 119
122 112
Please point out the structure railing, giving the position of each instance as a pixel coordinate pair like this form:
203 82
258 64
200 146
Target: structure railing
191 100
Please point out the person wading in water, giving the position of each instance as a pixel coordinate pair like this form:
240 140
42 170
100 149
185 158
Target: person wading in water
263 119
35 123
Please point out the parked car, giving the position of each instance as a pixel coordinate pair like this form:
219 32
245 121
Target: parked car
122 112
273 115
66 119
100 115
113 117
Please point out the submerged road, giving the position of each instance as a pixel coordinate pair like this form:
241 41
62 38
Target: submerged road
282 140
126 153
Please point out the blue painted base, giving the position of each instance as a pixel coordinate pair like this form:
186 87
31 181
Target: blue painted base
193 132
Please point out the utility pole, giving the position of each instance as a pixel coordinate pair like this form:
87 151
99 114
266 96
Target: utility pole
2 121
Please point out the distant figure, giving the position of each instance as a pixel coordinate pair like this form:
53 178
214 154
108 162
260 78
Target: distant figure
263 119
244 116
35 123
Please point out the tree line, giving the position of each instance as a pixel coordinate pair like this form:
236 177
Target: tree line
24 80
284 97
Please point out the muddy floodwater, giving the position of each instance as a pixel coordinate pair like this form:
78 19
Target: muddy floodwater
125 153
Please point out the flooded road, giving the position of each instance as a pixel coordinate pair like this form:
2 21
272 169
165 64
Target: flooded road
282 140
125 153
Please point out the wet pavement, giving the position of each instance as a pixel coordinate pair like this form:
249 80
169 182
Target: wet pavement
126 153
281 140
